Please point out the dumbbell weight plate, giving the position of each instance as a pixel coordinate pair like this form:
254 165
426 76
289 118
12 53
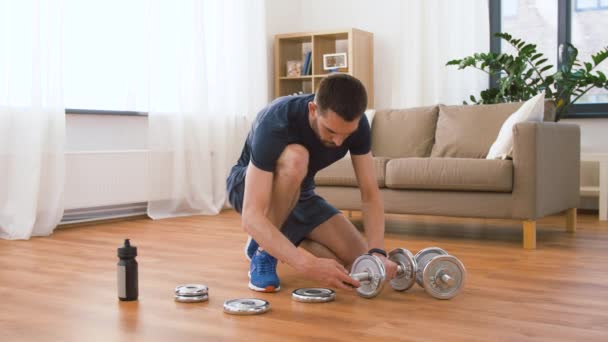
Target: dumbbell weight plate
246 306
439 265
191 299
405 258
191 290
423 257
313 295
375 268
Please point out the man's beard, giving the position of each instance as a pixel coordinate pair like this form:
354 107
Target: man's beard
326 143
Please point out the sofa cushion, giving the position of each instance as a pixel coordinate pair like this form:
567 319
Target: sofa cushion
341 173
460 174
404 133
531 111
468 131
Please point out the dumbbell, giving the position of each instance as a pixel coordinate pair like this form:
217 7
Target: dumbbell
369 271
441 275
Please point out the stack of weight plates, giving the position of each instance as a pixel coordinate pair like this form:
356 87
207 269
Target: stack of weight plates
191 293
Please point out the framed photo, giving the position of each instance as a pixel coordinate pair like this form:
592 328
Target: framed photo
333 61
294 68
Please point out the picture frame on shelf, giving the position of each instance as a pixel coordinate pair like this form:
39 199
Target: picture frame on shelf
335 61
294 68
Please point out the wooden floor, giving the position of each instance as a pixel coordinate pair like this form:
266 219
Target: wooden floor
63 288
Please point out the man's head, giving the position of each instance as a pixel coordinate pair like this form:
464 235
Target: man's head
338 106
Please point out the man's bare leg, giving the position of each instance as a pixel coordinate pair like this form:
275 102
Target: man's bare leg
341 238
292 167
319 250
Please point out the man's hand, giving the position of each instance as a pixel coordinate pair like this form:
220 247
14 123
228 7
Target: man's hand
329 272
389 266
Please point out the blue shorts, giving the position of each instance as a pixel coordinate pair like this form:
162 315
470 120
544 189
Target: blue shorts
310 211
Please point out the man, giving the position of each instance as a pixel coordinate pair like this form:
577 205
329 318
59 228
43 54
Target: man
272 186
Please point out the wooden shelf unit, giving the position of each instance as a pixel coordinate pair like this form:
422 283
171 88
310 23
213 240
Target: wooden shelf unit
357 44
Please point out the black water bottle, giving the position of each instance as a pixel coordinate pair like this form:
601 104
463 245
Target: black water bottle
127 272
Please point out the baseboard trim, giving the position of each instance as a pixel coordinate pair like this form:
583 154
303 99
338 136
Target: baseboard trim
110 212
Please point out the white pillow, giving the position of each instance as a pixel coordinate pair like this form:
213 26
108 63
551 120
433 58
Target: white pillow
532 110
370 113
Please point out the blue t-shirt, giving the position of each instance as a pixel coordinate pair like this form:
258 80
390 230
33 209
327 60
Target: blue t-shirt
285 121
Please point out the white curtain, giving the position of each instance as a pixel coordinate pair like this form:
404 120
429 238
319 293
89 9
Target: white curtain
32 118
208 78
434 32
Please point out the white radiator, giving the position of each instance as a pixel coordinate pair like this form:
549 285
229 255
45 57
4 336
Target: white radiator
105 184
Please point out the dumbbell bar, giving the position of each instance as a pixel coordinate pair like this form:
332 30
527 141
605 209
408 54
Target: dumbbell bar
441 275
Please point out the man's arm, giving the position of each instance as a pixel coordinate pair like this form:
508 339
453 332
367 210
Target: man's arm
371 200
257 198
372 206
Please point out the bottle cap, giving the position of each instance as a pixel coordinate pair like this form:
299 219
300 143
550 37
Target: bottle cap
127 251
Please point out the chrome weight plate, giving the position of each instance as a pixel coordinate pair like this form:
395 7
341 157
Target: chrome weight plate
191 299
373 268
405 278
246 306
313 295
444 276
191 290
423 257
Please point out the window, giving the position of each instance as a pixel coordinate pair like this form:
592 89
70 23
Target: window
589 35
549 23
590 5
104 55
534 21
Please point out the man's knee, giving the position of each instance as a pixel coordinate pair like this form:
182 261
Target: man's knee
293 163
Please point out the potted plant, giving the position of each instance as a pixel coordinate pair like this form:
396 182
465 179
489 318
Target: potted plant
524 75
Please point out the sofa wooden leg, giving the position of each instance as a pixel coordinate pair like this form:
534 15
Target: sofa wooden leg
529 234
571 220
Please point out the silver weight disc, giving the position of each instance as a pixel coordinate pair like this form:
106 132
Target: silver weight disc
191 290
191 299
246 306
406 279
313 295
374 267
423 257
444 276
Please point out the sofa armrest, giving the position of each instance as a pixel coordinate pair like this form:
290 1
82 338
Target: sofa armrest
546 168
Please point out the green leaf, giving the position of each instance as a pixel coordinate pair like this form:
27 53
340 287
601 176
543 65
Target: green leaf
541 61
545 68
528 49
600 56
454 62
602 76
535 57
588 66
503 35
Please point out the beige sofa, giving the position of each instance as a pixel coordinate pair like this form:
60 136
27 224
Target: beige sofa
431 161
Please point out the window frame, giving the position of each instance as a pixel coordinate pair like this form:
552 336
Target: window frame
564 30
104 112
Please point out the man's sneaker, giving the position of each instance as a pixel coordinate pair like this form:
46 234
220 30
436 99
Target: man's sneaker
263 273
250 248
